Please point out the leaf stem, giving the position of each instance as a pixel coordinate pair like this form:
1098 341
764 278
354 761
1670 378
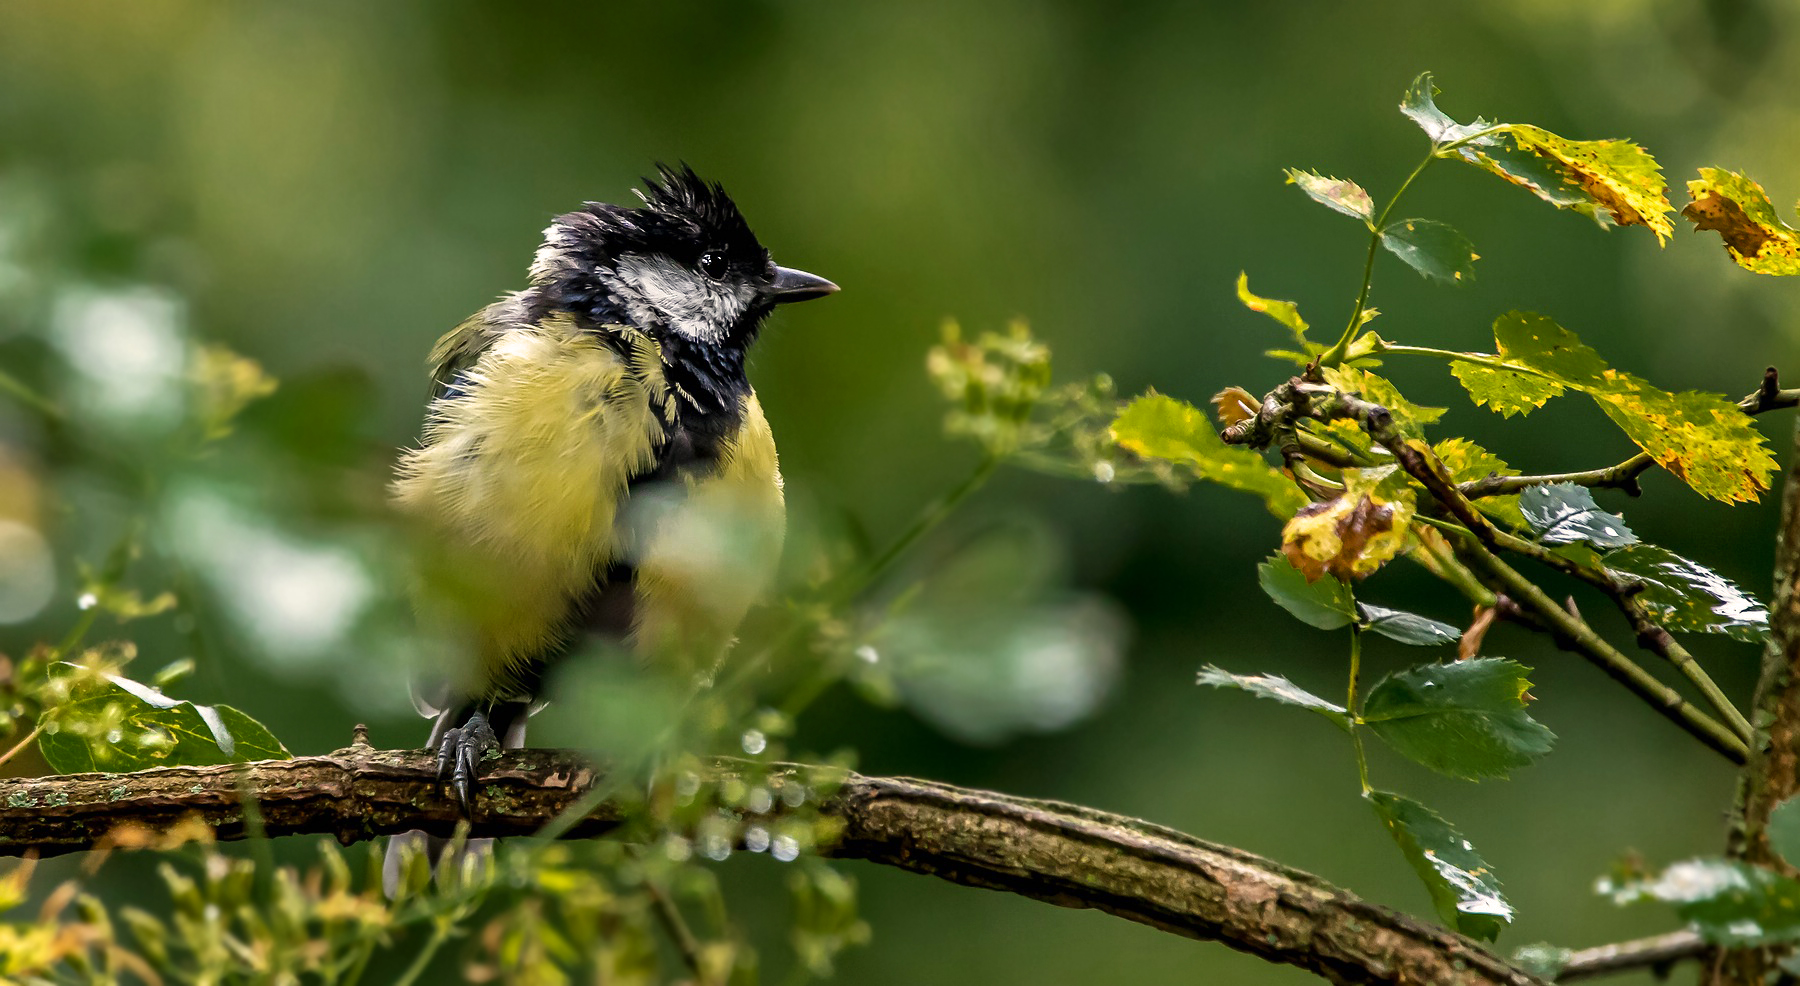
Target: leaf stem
677 927
1335 355
1576 633
1352 703
29 397
440 933
22 744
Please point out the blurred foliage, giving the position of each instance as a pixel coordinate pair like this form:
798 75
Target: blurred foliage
327 190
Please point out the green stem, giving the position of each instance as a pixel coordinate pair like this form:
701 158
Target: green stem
1335 355
676 926
1575 632
31 398
1352 702
440 933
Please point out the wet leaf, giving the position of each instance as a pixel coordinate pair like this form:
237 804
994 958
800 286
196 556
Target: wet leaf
1687 597
1434 249
1468 462
1407 628
113 723
1348 537
1740 211
1466 719
1161 427
1463 889
1276 688
1326 603
1338 194
1419 106
1728 902
1285 312
1784 829
1564 513
1509 392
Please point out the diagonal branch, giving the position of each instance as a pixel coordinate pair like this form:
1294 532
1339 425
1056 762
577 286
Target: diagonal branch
1062 854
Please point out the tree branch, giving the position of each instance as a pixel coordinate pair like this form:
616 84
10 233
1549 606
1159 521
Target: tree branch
1657 954
1062 854
1773 773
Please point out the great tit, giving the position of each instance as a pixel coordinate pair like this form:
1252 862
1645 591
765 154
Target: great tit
594 460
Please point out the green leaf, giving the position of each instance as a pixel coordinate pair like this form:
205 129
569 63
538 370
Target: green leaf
1407 628
1784 829
1434 249
1623 184
1276 688
1509 392
113 723
1614 182
1537 342
1728 902
1469 462
1705 440
1326 603
1702 439
1339 194
1419 106
1465 719
1160 427
1463 889
1740 211
1690 598
1563 513
1285 312
1409 418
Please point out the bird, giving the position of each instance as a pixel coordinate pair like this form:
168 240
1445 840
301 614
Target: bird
595 463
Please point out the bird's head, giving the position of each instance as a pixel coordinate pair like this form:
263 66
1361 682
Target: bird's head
685 265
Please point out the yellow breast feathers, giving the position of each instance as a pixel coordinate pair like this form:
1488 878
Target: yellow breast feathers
521 482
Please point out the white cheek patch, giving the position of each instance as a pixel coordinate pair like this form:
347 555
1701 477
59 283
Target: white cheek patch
689 303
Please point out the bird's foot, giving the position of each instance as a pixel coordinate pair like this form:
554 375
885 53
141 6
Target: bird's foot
459 756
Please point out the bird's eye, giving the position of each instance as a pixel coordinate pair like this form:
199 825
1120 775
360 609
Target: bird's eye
712 264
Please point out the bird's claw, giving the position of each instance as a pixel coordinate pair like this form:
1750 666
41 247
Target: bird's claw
459 757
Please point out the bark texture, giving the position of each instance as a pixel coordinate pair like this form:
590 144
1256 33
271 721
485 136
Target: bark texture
1063 854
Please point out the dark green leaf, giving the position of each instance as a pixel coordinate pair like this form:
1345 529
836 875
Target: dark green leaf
117 724
1784 829
1563 513
1691 598
1325 603
1729 903
1338 194
1465 719
1277 688
1434 249
1408 628
1463 890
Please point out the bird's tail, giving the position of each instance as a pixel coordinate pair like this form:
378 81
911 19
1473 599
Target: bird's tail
465 859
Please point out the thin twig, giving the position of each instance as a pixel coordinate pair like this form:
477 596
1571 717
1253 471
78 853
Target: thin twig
1658 953
676 926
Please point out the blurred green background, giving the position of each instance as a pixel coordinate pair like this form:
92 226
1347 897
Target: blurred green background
326 187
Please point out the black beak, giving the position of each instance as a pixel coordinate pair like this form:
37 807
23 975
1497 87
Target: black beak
792 285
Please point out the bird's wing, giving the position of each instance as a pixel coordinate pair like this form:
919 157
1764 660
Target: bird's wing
457 350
